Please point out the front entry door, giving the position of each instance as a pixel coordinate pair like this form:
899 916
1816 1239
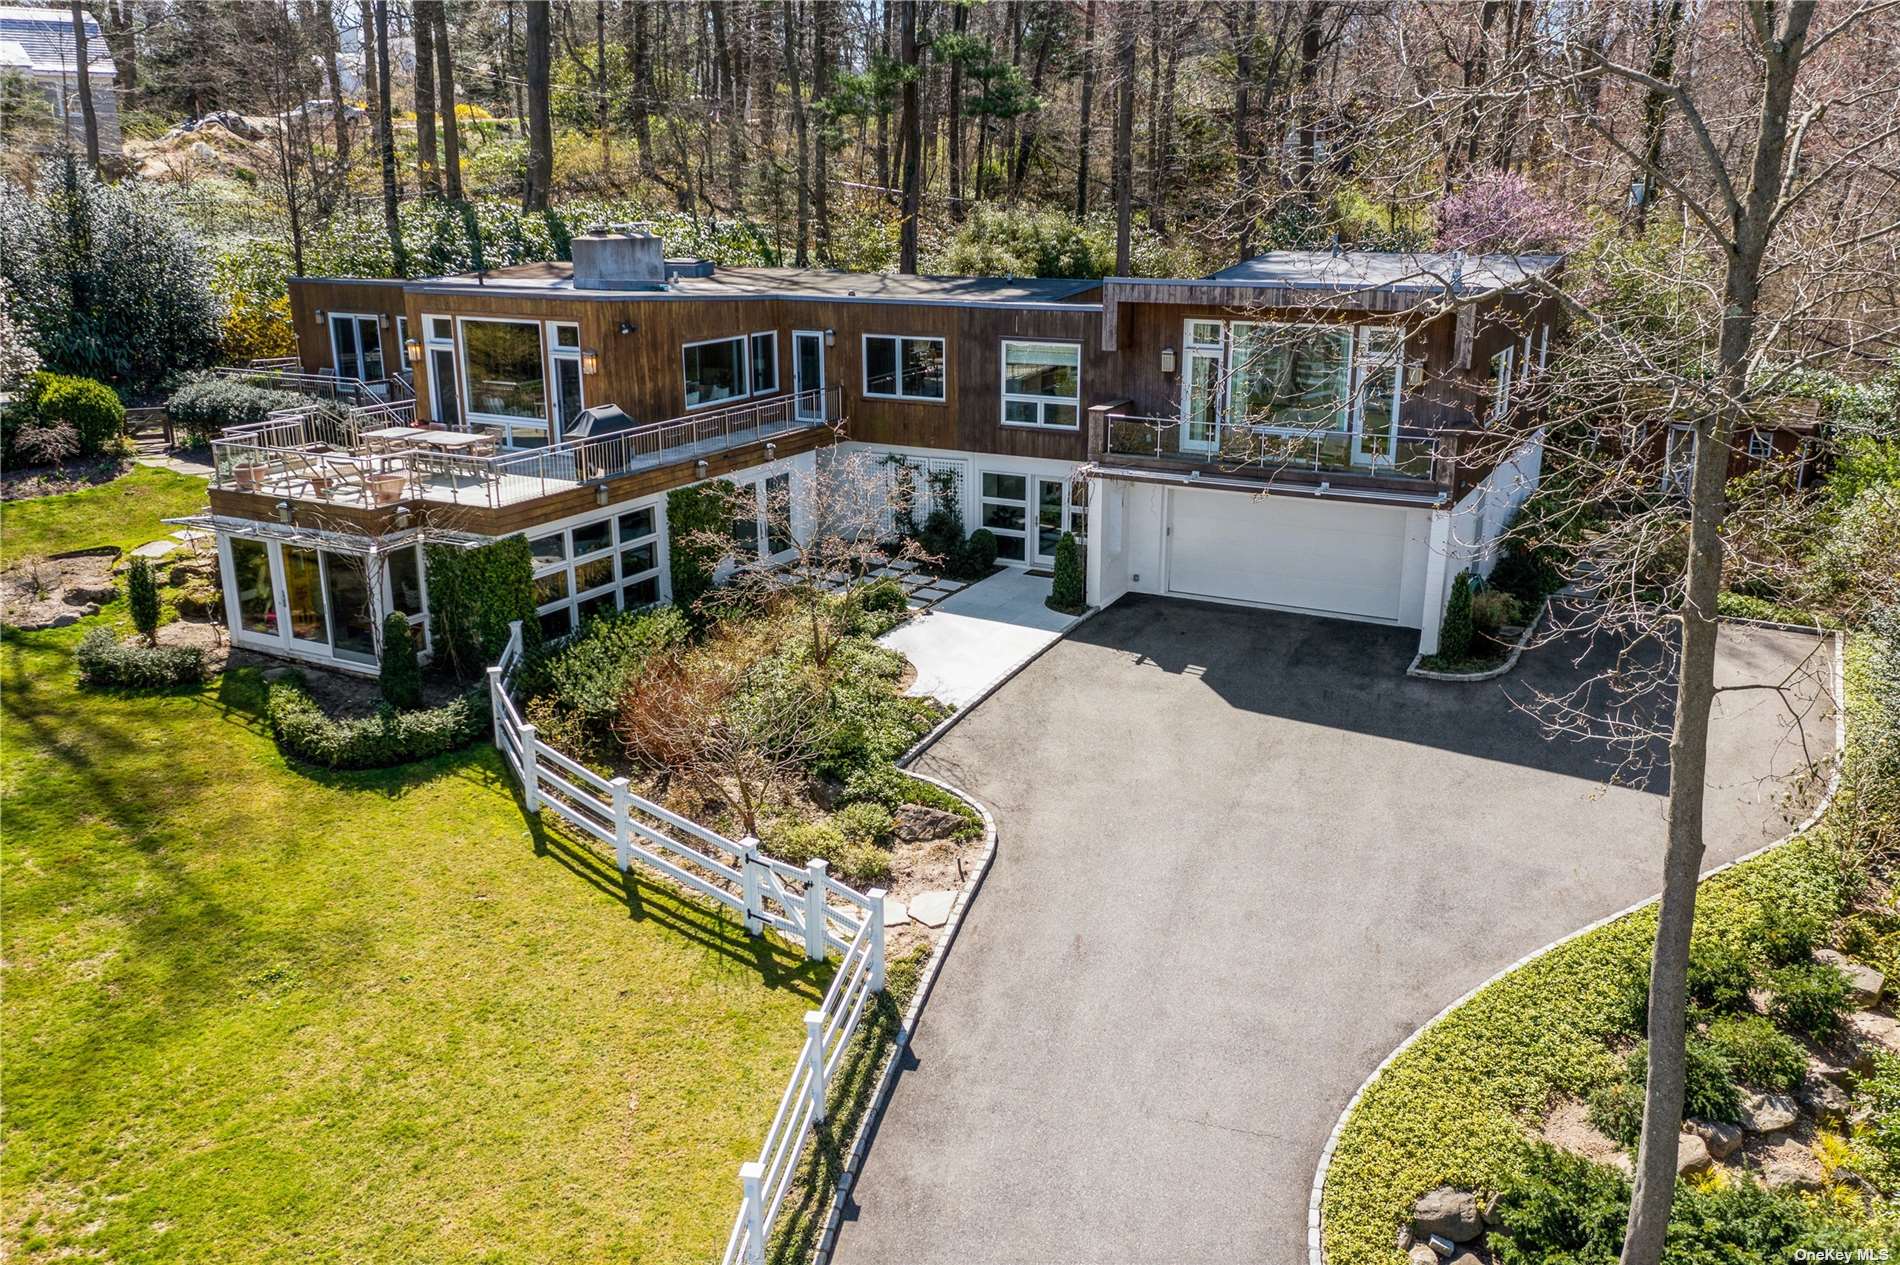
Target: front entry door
1201 401
808 375
1060 506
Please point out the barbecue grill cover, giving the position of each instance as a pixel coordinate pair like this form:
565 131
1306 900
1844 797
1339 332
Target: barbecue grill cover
602 419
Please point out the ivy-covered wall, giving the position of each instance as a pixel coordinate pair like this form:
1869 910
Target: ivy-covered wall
473 594
693 514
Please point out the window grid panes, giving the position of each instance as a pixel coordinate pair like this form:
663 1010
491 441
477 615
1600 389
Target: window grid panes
901 368
764 363
596 566
1005 512
1042 384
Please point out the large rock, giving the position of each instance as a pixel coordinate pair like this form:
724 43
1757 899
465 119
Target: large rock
1692 1154
1872 1033
1864 983
1447 1211
1419 1254
1824 1100
1722 1140
914 822
88 594
1766 1113
1788 1165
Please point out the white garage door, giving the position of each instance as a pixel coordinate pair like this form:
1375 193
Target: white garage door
1281 551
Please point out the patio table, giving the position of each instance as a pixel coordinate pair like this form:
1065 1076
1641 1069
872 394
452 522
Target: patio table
455 440
392 436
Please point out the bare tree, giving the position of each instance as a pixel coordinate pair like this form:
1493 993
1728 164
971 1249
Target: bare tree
1126 32
445 93
386 140
911 134
540 175
81 56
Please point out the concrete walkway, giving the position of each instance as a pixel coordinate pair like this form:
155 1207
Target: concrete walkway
1242 856
970 640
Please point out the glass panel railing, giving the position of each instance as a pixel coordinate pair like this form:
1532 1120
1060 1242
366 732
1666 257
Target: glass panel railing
1265 451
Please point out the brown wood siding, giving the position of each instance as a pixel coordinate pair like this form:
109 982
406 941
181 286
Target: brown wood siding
308 297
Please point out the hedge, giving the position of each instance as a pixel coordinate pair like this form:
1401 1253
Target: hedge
1451 1108
473 596
205 404
381 741
105 660
92 409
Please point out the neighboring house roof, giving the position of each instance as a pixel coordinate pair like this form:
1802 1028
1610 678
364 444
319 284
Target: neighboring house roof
792 283
1394 270
44 38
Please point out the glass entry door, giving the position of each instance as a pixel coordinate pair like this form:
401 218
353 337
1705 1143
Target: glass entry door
356 343
1201 401
1059 508
808 374
303 598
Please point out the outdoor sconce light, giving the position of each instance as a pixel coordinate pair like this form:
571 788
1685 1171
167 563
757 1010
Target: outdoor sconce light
771 451
627 327
1415 373
831 338
402 517
319 315
412 348
1167 360
600 494
700 467
590 362
283 511
382 320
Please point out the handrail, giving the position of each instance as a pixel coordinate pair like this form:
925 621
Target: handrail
1402 453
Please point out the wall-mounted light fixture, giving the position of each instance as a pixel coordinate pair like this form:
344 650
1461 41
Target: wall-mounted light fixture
831 338
412 348
283 511
700 468
319 315
590 362
382 320
1415 373
627 327
771 451
1167 360
600 494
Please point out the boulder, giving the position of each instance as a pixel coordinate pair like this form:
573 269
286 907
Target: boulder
1692 1154
1766 1113
1864 983
1451 1213
66 620
1823 1099
1722 1140
1419 1254
1871 1032
88 594
1490 1213
914 822
1789 1166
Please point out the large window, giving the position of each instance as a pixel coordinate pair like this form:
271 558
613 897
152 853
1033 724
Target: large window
606 564
1042 384
764 363
1501 383
1289 377
1006 513
257 604
503 362
715 371
438 338
898 368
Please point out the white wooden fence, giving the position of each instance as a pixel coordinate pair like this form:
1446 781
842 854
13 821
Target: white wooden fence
804 903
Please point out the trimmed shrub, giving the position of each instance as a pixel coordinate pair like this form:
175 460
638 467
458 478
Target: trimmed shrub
141 588
973 558
381 741
863 822
893 788
1454 634
1068 592
1758 1053
587 674
1709 1091
1525 572
52 400
105 660
853 862
1493 609
1560 1207
1719 978
400 675
1809 997
204 404
884 596
1786 935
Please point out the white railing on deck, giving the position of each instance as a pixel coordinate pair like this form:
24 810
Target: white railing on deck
804 903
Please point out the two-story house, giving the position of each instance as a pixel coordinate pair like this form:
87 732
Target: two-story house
1301 431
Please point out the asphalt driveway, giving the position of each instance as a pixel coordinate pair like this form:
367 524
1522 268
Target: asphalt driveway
1242 856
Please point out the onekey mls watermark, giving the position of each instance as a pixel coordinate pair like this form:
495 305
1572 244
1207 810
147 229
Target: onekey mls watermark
1842 1254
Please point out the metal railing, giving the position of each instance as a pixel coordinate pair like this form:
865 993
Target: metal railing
1268 450
803 903
264 456
285 374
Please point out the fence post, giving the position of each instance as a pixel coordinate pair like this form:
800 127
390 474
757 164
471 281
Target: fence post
749 884
815 1051
815 881
530 772
876 915
751 1179
494 702
623 824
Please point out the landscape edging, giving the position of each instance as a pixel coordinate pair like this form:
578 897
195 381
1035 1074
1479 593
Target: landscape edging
887 1079
1315 1242
1510 660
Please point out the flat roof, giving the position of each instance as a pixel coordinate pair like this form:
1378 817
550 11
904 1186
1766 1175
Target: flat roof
1394 270
817 283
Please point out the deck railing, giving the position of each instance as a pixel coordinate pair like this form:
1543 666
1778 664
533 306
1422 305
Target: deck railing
1269 450
285 374
804 903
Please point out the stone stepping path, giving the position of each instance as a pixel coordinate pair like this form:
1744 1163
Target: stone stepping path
923 589
155 548
932 908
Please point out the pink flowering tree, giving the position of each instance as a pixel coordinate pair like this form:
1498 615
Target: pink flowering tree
1504 212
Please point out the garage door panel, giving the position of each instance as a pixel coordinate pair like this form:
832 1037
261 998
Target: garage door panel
1343 559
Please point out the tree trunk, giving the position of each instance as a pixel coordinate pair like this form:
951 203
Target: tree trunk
1307 164
912 128
386 142
960 23
1164 147
801 134
81 55
427 164
821 46
1245 155
642 85
540 45
445 92
882 146
1026 142
1125 137
600 90
1667 17
1088 101
116 25
1752 215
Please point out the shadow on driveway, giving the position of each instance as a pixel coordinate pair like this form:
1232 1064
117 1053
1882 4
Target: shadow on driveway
1242 856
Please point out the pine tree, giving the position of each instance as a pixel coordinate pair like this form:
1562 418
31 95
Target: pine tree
1068 593
1454 635
401 675
142 593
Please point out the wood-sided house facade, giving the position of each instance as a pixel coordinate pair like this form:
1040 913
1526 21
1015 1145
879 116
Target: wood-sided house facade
1292 433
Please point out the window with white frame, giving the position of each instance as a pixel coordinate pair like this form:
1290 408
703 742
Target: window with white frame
1005 512
564 359
1543 346
715 371
407 596
1679 459
762 516
605 564
438 347
903 368
764 363
503 375
1042 384
1761 445
1501 383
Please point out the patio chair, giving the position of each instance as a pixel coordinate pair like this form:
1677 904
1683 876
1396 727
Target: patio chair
347 475
303 468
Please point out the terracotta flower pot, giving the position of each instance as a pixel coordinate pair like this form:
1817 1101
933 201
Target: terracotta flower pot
387 488
247 475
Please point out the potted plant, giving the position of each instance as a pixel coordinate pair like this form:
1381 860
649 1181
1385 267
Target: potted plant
386 487
248 475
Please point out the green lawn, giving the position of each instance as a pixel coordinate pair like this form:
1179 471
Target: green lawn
256 1014
124 512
